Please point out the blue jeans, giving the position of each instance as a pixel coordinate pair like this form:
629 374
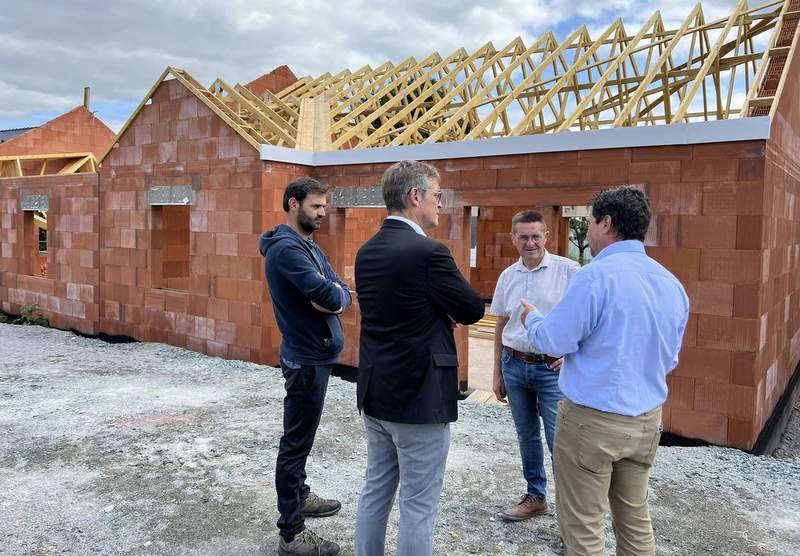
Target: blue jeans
533 392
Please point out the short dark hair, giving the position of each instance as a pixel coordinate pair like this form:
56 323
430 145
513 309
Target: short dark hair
403 176
300 188
527 216
629 209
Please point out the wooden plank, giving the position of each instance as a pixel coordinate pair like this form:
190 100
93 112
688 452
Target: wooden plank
624 115
528 81
373 98
789 58
72 167
711 58
277 126
220 109
756 82
566 78
546 41
610 70
53 156
411 106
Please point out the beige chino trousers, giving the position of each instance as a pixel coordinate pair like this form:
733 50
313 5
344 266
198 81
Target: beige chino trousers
604 459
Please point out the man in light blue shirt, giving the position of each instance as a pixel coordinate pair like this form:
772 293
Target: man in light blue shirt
619 326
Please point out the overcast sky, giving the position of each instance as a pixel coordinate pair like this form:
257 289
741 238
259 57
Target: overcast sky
50 50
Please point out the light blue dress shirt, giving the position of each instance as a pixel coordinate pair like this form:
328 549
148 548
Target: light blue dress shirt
620 326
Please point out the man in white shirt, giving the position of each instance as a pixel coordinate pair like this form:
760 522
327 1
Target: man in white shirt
528 378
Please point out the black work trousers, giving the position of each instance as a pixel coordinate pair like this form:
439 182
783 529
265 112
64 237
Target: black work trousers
302 409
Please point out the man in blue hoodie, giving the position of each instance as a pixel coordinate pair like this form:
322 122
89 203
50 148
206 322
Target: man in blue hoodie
307 297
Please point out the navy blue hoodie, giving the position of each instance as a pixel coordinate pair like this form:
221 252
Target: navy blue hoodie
298 272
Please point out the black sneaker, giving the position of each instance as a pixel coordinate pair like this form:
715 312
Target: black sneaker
314 506
307 543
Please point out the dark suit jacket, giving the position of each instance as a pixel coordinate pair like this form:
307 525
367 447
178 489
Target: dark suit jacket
407 285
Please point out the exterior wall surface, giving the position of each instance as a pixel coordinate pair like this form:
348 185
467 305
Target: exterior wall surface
68 295
176 140
76 131
766 379
274 81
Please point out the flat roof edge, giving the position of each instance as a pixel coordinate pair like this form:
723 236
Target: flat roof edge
717 131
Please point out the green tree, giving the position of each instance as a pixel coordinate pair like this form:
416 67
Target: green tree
578 236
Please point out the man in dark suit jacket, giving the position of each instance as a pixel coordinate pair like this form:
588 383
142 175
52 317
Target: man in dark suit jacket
411 294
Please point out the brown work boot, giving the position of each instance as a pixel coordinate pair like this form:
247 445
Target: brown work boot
526 508
314 506
307 543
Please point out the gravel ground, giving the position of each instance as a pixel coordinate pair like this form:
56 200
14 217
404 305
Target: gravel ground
789 446
150 449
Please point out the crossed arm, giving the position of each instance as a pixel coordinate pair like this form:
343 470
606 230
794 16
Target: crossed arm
327 295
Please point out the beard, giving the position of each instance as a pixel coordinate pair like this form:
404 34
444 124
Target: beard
309 224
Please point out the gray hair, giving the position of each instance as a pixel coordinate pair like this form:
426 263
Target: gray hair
400 178
527 217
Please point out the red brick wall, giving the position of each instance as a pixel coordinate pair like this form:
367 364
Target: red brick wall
76 131
702 232
274 81
177 140
68 295
764 380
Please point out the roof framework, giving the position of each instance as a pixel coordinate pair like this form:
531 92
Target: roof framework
728 68
18 166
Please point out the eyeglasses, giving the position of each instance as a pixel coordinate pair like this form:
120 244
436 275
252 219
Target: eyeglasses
525 239
435 194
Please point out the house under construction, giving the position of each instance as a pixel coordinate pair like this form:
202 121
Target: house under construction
159 242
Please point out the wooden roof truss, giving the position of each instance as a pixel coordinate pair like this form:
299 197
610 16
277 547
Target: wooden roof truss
728 68
47 164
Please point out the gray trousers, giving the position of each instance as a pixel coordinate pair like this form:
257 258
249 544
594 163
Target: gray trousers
413 456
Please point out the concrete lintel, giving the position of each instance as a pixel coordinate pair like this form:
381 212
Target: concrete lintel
717 131
35 202
171 195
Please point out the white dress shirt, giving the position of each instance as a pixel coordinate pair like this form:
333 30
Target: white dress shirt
417 228
544 286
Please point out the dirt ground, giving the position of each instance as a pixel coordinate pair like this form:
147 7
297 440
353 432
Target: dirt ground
150 449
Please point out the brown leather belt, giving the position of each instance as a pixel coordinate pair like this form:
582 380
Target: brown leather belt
533 358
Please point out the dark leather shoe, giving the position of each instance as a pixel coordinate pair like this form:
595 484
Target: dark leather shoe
307 543
526 508
314 506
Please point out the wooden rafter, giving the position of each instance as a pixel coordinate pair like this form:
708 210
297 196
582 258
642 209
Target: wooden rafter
47 164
